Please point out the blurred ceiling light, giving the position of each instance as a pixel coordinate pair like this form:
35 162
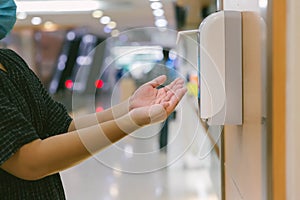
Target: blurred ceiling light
22 15
84 60
263 3
128 151
36 20
106 29
112 25
50 26
161 23
88 38
97 14
117 173
158 12
71 35
115 33
57 6
104 20
114 190
156 5
61 66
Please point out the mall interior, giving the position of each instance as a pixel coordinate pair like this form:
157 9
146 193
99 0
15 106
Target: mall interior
234 134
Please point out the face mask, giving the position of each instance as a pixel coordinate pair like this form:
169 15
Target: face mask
7 16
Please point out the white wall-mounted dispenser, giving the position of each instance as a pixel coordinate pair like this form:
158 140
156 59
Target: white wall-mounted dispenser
220 68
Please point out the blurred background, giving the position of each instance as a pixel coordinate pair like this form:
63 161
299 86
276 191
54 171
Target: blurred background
92 54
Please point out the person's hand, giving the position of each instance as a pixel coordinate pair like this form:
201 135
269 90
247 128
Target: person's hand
148 115
149 104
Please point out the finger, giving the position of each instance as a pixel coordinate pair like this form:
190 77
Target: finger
176 87
172 84
158 81
175 99
161 95
181 92
177 82
169 95
172 91
166 93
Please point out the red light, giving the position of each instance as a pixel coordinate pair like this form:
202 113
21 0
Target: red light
99 109
99 84
69 84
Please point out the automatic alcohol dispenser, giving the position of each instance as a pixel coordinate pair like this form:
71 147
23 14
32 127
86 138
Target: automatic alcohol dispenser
219 40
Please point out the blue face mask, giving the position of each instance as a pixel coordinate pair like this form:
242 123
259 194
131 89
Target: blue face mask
7 16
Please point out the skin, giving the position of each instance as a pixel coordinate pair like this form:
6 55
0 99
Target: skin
2 68
92 133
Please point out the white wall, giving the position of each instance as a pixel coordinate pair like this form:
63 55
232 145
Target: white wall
245 147
293 100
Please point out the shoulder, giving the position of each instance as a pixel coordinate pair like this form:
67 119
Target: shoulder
15 65
8 52
9 56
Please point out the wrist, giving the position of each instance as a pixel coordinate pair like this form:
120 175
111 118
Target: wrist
127 123
129 103
148 115
120 109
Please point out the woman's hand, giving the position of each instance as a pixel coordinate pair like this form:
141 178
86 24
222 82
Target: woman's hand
149 104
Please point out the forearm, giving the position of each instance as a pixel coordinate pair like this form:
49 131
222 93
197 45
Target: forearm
114 112
41 158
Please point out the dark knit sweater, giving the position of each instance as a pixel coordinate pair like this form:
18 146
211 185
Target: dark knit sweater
27 112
